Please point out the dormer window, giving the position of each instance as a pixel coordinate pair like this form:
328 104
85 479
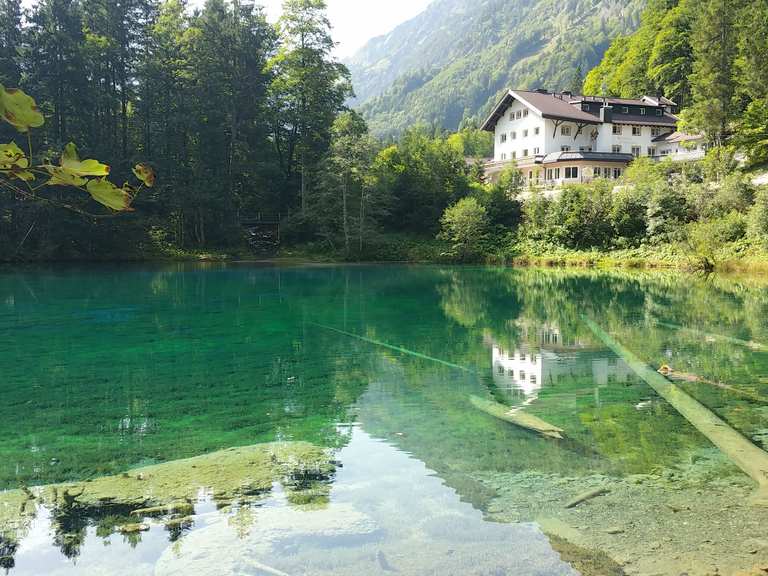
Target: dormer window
659 112
625 109
642 111
585 107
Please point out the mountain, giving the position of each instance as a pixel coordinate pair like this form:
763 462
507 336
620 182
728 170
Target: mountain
452 61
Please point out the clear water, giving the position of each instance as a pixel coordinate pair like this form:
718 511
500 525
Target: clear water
109 368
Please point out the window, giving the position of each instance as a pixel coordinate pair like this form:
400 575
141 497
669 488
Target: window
549 173
625 109
585 107
659 112
617 129
533 379
616 149
536 151
536 130
636 151
572 172
522 356
514 155
651 151
606 172
565 130
503 137
642 111
617 172
585 148
637 131
500 369
503 155
525 152
514 135
522 375
525 133
525 113
655 131
565 148
519 114
530 174
557 173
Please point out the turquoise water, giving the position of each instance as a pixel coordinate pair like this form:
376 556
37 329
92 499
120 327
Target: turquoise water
107 368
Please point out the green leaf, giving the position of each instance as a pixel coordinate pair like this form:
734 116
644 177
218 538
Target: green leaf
71 163
14 163
19 109
61 177
145 173
12 156
106 193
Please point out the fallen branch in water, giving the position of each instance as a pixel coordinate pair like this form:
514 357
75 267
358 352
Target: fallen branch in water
517 417
752 460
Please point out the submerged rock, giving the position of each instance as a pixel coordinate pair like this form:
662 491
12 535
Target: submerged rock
112 503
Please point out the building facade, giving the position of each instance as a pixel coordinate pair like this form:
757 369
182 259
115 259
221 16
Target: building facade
561 138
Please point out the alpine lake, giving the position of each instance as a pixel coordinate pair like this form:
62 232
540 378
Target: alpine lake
242 419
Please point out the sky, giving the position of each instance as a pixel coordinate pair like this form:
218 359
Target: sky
357 21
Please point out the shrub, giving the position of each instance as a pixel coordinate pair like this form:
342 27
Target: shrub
758 217
465 226
705 239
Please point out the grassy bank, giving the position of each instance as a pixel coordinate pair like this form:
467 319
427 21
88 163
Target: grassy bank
731 257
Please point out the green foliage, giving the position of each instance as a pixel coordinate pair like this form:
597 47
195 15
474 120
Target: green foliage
628 216
758 217
465 226
752 131
706 238
20 111
422 176
580 216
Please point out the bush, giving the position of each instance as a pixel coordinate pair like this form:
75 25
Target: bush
705 239
465 226
580 217
758 218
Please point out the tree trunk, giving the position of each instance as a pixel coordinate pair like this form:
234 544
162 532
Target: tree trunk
345 216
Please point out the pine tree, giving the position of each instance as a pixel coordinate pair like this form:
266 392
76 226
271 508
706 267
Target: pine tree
308 91
713 84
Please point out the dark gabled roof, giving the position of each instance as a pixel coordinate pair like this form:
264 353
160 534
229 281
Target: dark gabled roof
586 156
547 105
647 120
566 106
556 106
672 137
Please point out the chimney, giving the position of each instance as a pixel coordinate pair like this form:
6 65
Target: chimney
606 115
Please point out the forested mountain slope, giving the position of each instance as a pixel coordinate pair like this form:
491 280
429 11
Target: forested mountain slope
452 61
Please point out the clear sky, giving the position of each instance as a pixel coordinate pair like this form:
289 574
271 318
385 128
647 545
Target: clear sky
357 21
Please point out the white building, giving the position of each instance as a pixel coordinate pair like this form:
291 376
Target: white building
561 138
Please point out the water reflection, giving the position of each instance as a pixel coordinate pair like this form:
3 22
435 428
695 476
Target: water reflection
111 369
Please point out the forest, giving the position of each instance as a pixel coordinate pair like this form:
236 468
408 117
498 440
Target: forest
246 131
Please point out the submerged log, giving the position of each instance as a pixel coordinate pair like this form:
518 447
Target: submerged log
587 496
517 417
752 460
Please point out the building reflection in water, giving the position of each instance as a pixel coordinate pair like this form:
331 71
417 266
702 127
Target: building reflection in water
544 356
